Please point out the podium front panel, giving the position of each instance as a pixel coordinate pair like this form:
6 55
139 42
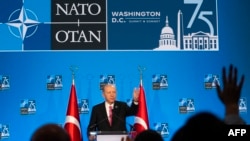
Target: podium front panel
110 136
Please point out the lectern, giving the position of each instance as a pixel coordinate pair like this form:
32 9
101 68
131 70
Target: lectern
109 135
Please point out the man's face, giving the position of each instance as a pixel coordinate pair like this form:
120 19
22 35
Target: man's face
109 93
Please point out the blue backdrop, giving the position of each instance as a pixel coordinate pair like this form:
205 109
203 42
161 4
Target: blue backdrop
185 72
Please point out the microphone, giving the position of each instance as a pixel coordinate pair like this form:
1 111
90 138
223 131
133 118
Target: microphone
122 120
94 125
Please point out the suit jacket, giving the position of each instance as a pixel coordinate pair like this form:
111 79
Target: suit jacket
99 118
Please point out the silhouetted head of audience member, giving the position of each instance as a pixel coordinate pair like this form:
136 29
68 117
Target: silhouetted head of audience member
201 126
149 135
50 132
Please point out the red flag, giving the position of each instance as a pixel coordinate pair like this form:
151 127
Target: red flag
72 122
141 118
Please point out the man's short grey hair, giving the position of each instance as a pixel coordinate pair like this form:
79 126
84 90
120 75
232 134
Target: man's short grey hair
108 84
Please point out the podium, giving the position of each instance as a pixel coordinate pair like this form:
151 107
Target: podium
109 135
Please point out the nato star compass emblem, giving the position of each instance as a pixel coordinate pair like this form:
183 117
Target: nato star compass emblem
22 23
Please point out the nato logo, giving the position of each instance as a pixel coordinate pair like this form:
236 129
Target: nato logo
4 131
106 79
159 81
21 26
83 106
27 107
4 82
54 82
211 80
186 105
162 128
243 105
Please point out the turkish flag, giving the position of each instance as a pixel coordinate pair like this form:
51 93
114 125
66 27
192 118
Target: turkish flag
141 118
72 122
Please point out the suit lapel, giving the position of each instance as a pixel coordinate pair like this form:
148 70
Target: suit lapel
116 109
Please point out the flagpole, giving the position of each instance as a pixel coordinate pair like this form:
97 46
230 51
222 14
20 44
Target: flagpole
73 70
141 69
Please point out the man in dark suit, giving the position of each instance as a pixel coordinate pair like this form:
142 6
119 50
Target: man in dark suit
111 114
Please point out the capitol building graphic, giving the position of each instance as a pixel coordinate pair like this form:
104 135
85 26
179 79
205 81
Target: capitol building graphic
197 41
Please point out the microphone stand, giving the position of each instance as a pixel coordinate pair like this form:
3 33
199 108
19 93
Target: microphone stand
93 126
122 120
